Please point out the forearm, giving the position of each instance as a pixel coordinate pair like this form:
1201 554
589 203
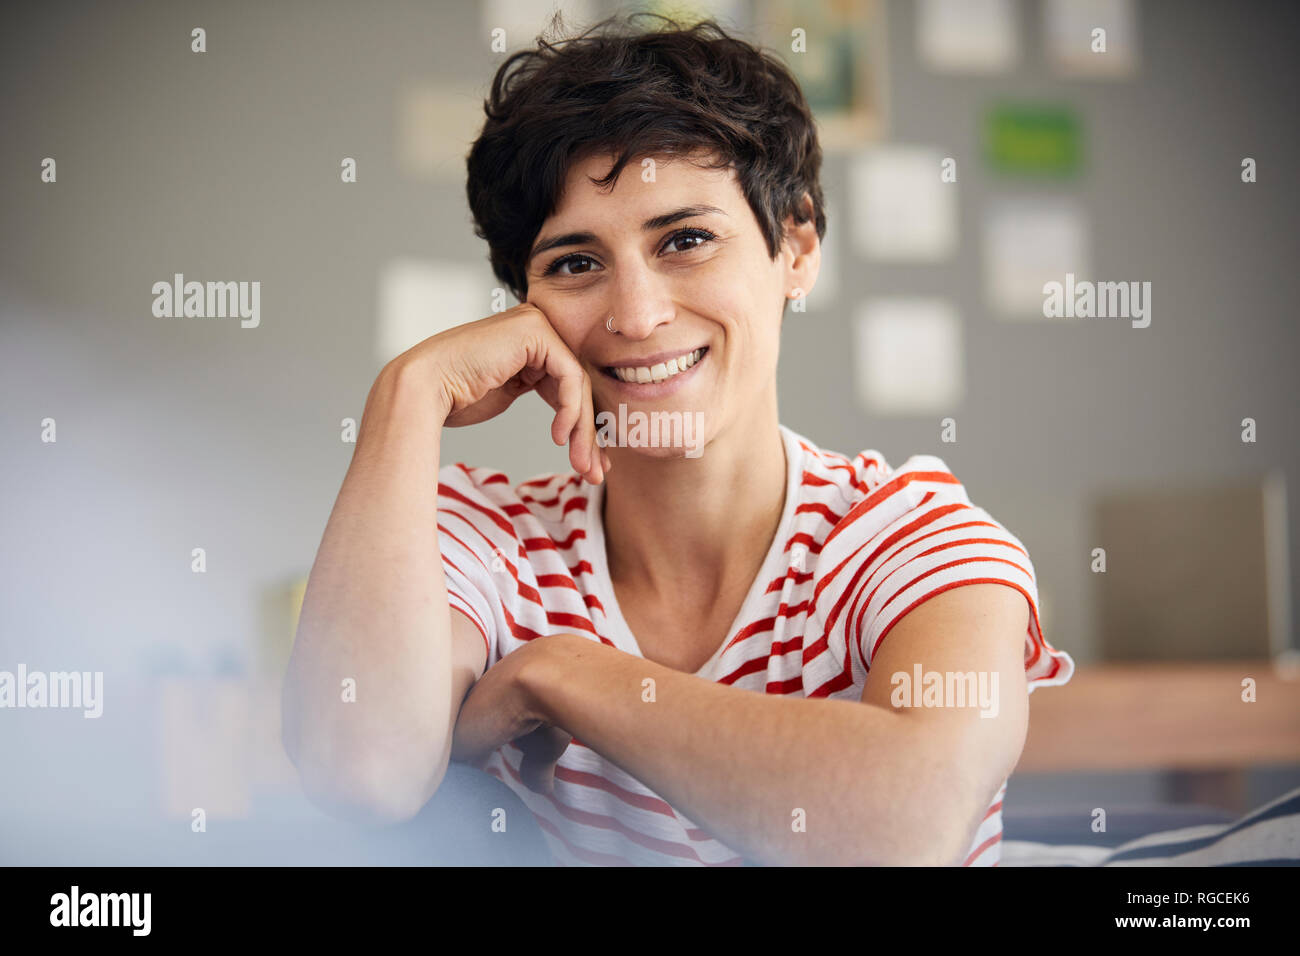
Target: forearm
375 612
872 785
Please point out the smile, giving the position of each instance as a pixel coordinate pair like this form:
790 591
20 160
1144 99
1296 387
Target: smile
659 372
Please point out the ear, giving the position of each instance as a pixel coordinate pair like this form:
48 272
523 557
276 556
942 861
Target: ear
801 252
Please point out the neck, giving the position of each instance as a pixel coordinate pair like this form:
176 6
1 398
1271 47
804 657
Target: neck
683 527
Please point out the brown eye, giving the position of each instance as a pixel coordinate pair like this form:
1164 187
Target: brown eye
703 235
554 267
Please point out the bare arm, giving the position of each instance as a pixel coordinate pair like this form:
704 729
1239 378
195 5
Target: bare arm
380 663
869 783
375 612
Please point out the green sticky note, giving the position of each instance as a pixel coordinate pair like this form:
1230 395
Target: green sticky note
1033 140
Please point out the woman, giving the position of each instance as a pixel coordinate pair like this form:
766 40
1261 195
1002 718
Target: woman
677 654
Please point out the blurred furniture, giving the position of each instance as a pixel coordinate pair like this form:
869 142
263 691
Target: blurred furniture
1193 573
1267 836
1188 719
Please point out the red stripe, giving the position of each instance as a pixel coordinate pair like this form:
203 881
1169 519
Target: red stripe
565 619
775 649
816 507
527 591
751 666
554 544
497 552
944 567
947 587
642 801
817 481
522 633
792 686
808 541
795 578
783 612
867 463
857 632
834 685
468 612
605 822
472 473
556 581
519 632
586 856
544 480
836 462
497 518
472 553
995 838
851 588
548 503
889 489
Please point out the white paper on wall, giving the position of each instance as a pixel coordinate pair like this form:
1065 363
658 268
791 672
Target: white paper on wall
422 297
1075 48
1029 242
900 208
967 36
908 356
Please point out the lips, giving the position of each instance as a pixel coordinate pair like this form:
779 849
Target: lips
656 369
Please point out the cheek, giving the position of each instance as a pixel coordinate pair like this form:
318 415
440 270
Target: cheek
721 289
739 280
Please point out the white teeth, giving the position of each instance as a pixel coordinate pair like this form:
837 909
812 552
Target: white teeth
643 375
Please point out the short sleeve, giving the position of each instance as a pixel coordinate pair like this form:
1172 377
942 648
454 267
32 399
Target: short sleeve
939 540
477 542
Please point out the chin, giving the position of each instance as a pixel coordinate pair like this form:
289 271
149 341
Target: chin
666 454
654 433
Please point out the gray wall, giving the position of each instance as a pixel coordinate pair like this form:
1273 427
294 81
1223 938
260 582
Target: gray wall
174 435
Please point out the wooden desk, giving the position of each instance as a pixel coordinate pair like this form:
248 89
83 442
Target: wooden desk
1185 718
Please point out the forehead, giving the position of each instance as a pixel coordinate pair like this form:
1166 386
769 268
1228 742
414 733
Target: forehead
644 182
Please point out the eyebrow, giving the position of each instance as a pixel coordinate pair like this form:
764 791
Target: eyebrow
650 225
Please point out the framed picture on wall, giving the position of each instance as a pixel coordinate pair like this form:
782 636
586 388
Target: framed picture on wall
837 50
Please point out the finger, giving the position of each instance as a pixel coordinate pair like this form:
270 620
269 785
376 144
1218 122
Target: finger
544 353
526 380
566 386
582 441
569 394
548 390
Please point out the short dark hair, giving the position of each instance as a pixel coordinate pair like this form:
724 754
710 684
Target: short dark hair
680 89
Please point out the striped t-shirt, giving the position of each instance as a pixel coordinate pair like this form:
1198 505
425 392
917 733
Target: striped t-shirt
858 546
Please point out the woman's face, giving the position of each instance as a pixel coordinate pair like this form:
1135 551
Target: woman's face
674 252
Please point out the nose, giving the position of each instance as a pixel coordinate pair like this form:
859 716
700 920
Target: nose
641 302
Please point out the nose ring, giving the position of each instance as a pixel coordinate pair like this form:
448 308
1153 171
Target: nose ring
609 323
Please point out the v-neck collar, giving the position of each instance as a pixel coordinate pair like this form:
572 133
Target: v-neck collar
773 565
